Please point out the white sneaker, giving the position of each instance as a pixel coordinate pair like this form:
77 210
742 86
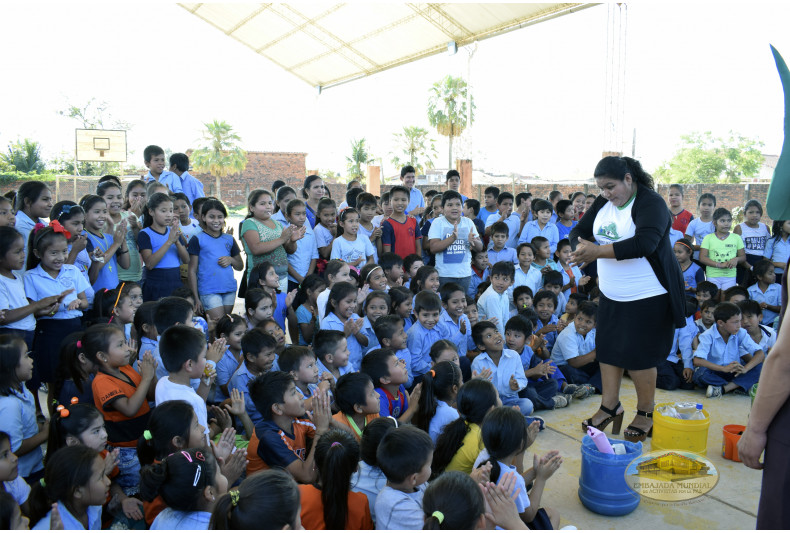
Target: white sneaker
713 392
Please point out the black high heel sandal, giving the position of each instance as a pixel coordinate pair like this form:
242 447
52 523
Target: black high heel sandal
614 416
638 434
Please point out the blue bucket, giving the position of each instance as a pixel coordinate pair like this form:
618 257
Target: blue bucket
602 486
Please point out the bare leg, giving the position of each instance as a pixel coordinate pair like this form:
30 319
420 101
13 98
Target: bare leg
645 384
554 517
611 376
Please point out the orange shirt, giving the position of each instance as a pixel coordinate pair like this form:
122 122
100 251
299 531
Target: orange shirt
313 510
122 431
271 447
152 509
343 419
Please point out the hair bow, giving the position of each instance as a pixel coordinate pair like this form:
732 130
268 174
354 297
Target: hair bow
38 226
57 227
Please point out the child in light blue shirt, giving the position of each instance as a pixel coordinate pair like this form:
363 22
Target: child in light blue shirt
494 304
424 332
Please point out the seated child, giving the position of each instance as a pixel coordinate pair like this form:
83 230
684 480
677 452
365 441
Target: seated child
706 319
358 402
453 317
331 351
402 304
574 351
526 275
693 275
270 497
377 305
231 328
369 479
718 356
300 362
522 298
676 372
425 331
411 264
257 349
552 281
735 294
707 290
543 255
480 272
405 456
572 306
170 311
389 376
494 304
766 291
439 390
507 373
751 321
391 335
499 251
280 438
392 264
545 303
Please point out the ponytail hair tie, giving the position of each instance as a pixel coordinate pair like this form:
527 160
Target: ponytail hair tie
433 373
438 515
63 412
79 344
147 435
39 226
335 444
234 497
42 482
74 400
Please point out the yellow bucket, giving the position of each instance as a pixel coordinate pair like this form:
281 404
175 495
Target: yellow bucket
671 433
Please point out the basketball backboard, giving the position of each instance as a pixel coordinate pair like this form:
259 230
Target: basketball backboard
101 145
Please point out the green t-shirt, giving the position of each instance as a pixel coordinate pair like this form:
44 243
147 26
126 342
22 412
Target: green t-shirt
721 251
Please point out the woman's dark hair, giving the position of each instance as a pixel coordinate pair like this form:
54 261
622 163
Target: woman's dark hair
72 420
154 201
458 497
64 210
253 198
338 292
40 240
144 315
168 420
311 282
475 398
8 236
617 167
180 478
28 193
504 432
129 188
308 182
336 458
213 203
68 469
270 497
89 200
437 385
258 274
228 323
280 195
371 437
12 348
69 365
8 506
96 339
419 278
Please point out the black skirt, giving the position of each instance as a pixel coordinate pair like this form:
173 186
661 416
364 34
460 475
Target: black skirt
634 335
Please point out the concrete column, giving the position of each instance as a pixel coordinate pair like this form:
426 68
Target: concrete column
464 168
374 180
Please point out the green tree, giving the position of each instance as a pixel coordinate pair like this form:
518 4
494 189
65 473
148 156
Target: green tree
414 147
24 156
220 154
359 156
704 158
447 109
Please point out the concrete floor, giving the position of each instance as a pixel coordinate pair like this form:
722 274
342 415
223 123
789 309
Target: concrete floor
732 504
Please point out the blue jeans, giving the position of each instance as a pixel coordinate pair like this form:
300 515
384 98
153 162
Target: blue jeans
463 282
705 376
129 466
524 404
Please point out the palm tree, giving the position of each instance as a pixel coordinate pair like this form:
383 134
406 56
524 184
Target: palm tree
416 146
359 156
24 156
220 155
447 109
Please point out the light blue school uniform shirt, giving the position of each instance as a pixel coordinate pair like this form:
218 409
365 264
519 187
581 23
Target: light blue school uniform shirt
474 282
777 251
364 233
513 225
191 186
306 251
39 284
279 216
168 179
18 420
212 278
682 343
552 335
462 341
571 344
532 230
149 239
698 230
350 251
443 416
713 348
509 365
416 199
456 260
24 225
108 275
369 480
226 366
505 254
577 274
171 519
83 262
419 340
485 213
563 231
771 296
532 279
343 370
373 341
323 237
767 339
396 509
69 521
522 498
332 321
304 316
12 296
18 488
494 305
674 236
240 380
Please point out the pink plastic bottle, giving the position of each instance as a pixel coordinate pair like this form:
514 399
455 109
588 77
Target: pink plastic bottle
600 440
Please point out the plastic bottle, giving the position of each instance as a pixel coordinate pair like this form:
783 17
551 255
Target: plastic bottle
599 439
697 414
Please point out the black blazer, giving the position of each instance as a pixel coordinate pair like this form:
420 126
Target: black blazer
651 241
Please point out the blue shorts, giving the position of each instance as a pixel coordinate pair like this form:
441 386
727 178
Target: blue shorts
212 301
129 466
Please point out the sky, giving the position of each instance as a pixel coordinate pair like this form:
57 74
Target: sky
539 91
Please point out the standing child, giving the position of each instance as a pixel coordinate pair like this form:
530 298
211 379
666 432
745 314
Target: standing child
766 292
134 204
572 277
335 272
566 218
306 304
340 316
331 352
472 212
680 216
122 395
257 349
480 271
389 376
72 218
702 226
283 196
348 246
358 402
326 229
189 185
543 254
754 233
162 248
437 400
777 249
376 305
513 220
18 410
264 276
494 304
7 217
301 263
213 255
497 250
489 208
399 233
385 211
33 203
107 252
366 205
721 252
692 273
541 226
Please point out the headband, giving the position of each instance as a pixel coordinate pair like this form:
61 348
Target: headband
117 298
686 245
394 420
335 444
372 270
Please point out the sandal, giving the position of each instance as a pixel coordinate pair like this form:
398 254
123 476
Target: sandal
614 416
638 434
